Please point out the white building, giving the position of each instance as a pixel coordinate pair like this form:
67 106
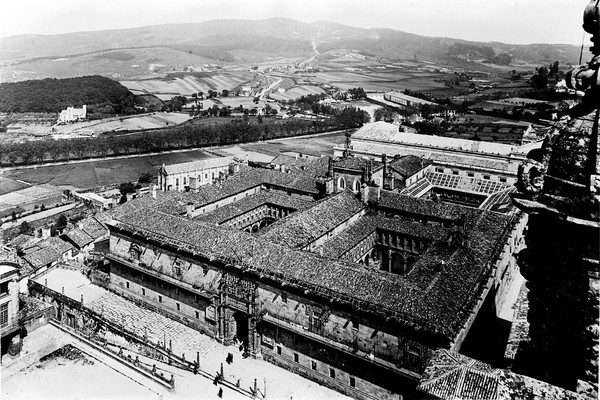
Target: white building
72 114
478 159
202 172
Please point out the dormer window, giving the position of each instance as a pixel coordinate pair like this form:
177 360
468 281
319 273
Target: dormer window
135 252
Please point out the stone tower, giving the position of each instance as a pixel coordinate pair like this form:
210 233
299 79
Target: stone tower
560 190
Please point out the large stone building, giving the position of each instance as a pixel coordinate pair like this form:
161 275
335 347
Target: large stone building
354 290
489 161
184 176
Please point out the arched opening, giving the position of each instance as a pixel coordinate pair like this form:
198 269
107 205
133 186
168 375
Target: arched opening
356 186
385 261
262 224
254 228
367 260
241 327
397 264
360 261
341 183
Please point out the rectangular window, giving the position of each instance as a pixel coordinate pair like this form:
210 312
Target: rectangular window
177 306
503 180
313 365
127 284
331 373
454 172
352 381
470 174
279 350
295 357
4 315
284 297
160 299
143 292
197 315
3 288
486 177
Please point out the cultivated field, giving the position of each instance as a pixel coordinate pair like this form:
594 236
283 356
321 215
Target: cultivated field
186 85
28 198
297 92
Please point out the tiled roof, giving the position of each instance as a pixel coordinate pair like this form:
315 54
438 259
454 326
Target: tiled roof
299 229
93 228
409 165
79 237
222 214
356 163
368 224
385 132
465 161
412 206
438 299
452 376
197 165
49 250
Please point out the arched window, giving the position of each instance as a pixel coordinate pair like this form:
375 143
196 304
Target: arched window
356 185
341 183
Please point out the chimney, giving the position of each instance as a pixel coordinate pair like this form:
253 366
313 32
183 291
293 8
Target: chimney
153 191
189 209
384 160
282 168
330 167
378 193
45 232
194 185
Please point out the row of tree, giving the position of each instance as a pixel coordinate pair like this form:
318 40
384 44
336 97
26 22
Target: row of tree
184 136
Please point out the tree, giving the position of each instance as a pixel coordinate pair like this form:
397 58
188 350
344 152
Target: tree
124 188
225 93
357 93
25 228
61 222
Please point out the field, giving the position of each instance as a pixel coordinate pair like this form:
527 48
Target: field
10 185
91 174
186 85
28 198
116 64
20 131
296 93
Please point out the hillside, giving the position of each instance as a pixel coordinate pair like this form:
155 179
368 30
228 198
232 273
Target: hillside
132 52
100 94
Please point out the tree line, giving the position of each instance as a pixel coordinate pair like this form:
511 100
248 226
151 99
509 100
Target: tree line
184 136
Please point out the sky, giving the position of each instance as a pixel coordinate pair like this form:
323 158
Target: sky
508 21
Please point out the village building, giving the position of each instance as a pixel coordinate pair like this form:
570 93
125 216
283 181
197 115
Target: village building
9 297
72 114
94 199
46 253
85 236
405 100
183 176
